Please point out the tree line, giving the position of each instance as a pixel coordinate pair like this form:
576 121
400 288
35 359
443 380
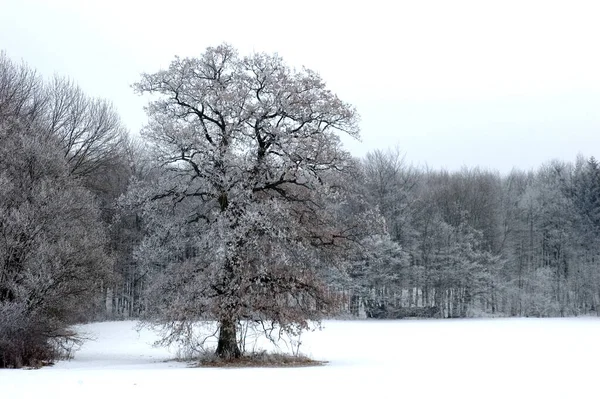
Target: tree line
238 205
476 243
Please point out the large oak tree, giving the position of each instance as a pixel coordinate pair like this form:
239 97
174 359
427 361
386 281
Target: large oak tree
244 217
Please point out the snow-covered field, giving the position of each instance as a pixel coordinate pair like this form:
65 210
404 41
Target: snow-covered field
501 358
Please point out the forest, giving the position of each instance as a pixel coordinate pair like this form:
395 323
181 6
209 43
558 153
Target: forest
238 203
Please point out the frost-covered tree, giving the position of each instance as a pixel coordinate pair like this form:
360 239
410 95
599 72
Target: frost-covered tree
125 297
376 272
244 218
586 199
53 248
88 131
390 184
379 272
85 132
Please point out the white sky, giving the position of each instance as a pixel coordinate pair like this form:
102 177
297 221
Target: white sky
483 83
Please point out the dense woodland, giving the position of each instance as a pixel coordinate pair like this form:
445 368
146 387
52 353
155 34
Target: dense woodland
187 222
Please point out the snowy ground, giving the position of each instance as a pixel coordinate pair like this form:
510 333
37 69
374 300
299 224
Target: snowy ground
522 358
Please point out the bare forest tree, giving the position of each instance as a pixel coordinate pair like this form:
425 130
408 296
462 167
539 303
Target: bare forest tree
88 130
53 248
125 298
58 151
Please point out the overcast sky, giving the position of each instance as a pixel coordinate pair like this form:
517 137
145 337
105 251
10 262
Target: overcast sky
495 84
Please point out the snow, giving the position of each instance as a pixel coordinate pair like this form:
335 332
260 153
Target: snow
482 358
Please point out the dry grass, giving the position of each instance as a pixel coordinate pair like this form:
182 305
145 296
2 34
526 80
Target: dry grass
261 360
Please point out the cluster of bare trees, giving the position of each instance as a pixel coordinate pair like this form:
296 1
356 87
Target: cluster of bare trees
240 209
60 152
478 243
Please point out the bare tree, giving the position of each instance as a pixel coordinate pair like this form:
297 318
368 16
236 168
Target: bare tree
21 91
52 247
244 215
88 130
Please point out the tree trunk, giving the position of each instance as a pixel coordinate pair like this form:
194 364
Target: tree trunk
355 305
228 348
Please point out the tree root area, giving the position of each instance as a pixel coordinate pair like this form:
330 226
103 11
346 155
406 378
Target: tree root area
260 360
